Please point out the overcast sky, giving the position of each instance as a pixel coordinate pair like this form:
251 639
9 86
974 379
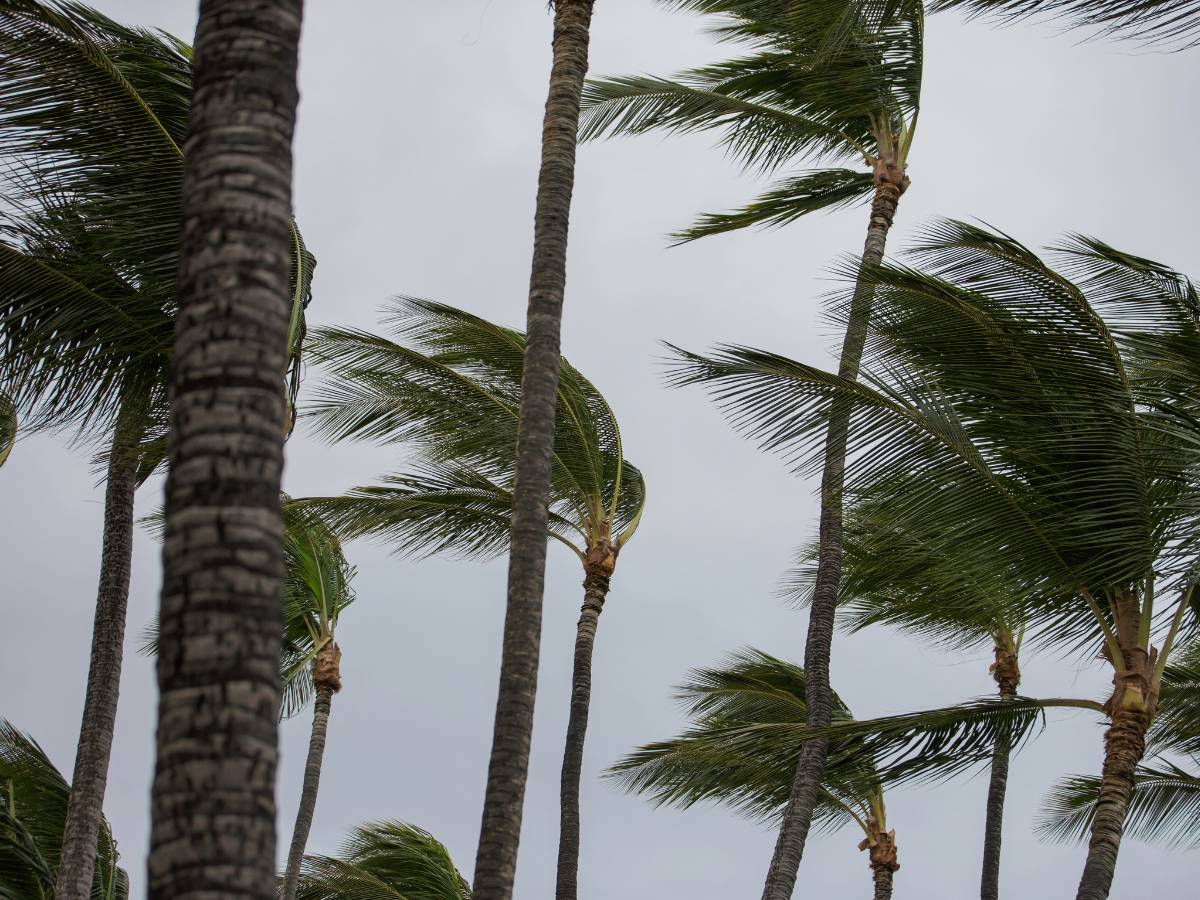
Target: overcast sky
417 156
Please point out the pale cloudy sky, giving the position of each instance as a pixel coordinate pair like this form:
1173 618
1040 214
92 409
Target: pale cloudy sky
416 164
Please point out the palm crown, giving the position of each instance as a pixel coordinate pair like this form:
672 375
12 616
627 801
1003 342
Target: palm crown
450 388
825 83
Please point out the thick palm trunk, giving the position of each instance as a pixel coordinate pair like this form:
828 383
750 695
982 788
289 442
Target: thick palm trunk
500 831
213 796
882 878
1124 745
86 806
1007 674
595 589
890 183
326 687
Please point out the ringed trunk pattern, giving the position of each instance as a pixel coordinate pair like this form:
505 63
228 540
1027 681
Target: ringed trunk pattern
890 183
327 679
882 844
595 588
500 830
1007 672
1131 709
213 797
85 809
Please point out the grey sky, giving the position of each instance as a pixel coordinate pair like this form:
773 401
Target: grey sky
416 164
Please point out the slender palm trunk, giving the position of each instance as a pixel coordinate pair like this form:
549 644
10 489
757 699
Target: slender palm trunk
1007 674
884 863
882 878
1132 707
213 796
890 183
500 831
85 808
328 682
595 589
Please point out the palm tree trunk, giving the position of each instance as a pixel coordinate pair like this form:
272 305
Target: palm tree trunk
882 877
1124 745
1007 675
890 183
213 796
85 809
500 831
595 589
308 794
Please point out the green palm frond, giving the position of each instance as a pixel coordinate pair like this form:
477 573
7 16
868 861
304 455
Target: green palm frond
1158 23
1164 806
751 689
449 385
93 115
384 860
999 418
787 201
33 812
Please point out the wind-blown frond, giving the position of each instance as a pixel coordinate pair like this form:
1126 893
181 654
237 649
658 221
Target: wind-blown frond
384 860
8 427
751 689
449 386
33 813
1157 23
999 419
1164 806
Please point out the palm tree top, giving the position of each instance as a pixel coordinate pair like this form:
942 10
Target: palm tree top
1046 417
448 386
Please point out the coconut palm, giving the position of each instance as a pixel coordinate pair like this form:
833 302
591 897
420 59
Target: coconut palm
450 384
887 575
316 591
384 859
751 694
828 83
92 120
213 795
1051 414
504 794
33 812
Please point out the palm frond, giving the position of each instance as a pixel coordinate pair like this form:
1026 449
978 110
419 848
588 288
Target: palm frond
384 860
787 201
33 812
8 427
1164 807
1157 23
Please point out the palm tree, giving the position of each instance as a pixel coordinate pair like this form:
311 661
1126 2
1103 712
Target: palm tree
452 386
92 120
1155 22
213 796
33 812
384 859
504 795
887 577
317 590
1050 412
749 696
834 82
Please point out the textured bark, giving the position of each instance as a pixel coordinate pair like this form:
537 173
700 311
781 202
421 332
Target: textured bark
884 864
882 877
1007 673
327 678
890 183
595 589
86 806
1131 709
213 796
500 831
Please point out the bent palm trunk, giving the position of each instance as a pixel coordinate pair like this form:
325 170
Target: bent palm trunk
213 797
1008 676
1132 707
890 183
595 589
327 679
500 830
86 805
